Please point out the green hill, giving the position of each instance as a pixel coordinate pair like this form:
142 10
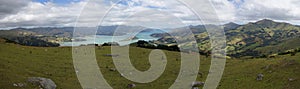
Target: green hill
251 38
256 39
17 63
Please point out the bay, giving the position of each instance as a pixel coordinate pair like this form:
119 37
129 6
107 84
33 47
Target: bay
122 40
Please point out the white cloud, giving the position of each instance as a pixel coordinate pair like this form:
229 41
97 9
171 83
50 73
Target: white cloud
225 10
51 14
8 7
283 10
47 14
151 13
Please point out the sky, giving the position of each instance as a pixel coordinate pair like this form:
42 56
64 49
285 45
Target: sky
148 13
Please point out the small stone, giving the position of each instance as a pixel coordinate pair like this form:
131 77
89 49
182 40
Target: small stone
21 84
131 85
197 84
112 69
195 88
259 77
15 85
291 79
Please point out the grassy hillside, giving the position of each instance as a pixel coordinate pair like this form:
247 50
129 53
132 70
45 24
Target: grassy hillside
17 63
256 39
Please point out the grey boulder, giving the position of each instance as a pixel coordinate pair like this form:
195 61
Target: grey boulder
42 82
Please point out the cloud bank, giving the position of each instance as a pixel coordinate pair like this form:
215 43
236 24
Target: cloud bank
150 13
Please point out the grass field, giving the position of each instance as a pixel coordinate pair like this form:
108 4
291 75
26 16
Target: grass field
17 63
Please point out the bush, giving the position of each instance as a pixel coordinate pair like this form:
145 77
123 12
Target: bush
111 44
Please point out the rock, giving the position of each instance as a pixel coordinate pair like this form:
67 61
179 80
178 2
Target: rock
195 88
43 82
291 79
19 84
15 85
259 77
131 85
197 84
112 69
270 71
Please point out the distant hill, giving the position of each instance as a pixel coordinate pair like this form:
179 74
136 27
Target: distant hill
261 38
62 34
255 39
68 31
44 37
251 38
230 26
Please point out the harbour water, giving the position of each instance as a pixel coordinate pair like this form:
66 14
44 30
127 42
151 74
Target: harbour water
122 40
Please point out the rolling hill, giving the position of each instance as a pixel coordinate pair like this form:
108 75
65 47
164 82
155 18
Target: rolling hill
255 39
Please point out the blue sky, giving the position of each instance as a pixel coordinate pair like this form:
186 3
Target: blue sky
237 3
61 2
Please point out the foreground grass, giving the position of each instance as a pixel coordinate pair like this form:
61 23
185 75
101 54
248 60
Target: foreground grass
17 63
